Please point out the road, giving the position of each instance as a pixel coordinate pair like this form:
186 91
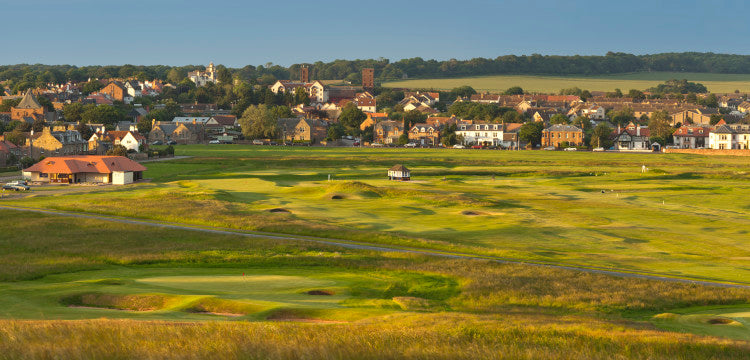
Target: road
364 246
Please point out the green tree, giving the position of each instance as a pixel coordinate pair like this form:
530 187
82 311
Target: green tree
38 124
258 122
659 127
413 117
223 75
301 96
601 136
515 90
144 126
715 118
84 130
404 138
531 133
351 118
175 75
463 91
636 94
335 132
559 119
118 150
448 135
91 86
72 112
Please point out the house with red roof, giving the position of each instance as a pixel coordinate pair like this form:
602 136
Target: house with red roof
693 136
632 137
117 170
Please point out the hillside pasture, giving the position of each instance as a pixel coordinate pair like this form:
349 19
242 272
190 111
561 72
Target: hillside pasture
717 83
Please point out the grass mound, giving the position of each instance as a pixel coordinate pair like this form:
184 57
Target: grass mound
141 302
337 197
721 321
279 210
354 188
471 213
321 292
217 306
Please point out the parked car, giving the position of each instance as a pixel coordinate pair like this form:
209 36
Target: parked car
15 186
171 142
550 148
411 145
599 149
459 146
570 149
257 142
476 147
214 142
157 142
376 145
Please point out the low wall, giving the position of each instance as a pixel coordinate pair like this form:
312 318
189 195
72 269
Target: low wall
734 152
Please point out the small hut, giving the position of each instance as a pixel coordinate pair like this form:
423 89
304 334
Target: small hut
399 172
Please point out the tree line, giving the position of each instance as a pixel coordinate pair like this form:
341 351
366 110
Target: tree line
22 76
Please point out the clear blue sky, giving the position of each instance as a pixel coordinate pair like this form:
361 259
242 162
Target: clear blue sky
237 33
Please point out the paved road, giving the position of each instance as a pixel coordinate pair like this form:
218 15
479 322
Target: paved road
363 246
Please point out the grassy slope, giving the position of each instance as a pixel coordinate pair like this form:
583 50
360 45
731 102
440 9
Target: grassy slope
718 83
687 217
515 310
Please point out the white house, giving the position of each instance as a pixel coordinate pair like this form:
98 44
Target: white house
315 90
730 136
481 133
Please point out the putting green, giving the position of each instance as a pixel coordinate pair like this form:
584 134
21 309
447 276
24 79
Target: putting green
208 294
731 322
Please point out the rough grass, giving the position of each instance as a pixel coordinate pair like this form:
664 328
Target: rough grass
438 336
718 83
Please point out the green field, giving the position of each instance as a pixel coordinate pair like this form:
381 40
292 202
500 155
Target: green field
138 286
716 83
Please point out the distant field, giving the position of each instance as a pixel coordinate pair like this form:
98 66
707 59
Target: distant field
717 83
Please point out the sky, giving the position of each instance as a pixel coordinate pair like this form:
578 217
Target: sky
239 33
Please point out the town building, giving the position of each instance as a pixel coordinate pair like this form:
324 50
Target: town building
387 132
730 136
201 78
301 129
557 135
117 170
316 91
55 143
480 133
28 107
632 137
691 136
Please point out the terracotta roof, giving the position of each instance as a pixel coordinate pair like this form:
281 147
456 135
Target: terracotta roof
85 164
398 167
692 131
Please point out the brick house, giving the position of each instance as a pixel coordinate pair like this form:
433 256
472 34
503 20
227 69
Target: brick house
555 135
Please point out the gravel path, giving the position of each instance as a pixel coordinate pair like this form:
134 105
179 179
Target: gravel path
362 246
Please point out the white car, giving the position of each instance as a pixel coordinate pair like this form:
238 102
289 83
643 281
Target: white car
459 146
214 142
550 148
411 145
570 149
598 149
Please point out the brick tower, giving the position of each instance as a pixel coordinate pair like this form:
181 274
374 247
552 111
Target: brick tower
368 78
304 74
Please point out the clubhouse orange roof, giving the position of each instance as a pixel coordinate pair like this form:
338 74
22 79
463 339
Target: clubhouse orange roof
85 164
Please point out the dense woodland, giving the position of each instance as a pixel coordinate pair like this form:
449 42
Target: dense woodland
24 75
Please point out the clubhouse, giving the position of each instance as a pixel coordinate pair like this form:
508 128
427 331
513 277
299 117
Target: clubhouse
117 170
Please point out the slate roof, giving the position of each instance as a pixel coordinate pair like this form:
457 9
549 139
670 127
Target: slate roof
399 167
28 101
560 127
